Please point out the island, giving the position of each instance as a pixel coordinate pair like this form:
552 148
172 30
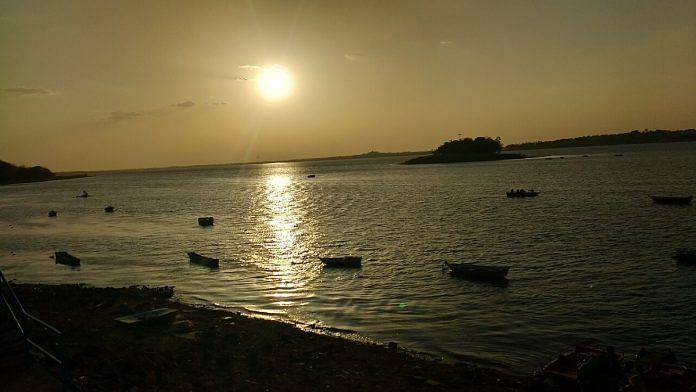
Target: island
633 137
12 174
466 150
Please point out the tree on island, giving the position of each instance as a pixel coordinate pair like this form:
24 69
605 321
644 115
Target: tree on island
10 173
468 146
466 150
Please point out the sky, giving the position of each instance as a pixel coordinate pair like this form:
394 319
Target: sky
97 85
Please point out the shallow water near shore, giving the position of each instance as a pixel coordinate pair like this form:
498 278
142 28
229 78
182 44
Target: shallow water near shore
590 257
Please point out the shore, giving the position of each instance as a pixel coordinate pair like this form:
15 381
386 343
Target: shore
207 349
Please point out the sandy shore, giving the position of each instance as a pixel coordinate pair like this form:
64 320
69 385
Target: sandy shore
206 350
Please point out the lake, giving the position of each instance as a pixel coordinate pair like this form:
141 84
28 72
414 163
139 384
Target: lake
590 257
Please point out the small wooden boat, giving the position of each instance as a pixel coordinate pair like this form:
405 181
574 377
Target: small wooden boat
52 213
685 256
203 260
522 193
109 209
478 272
342 261
311 176
564 368
67 259
155 316
676 200
206 221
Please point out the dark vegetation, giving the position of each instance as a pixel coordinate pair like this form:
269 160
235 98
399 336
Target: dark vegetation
12 174
466 150
633 137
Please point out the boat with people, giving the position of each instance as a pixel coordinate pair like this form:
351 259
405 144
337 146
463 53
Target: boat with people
66 259
522 193
206 221
203 260
84 194
342 261
478 271
685 256
676 200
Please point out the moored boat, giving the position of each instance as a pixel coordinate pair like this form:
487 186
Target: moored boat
206 221
477 271
685 256
566 366
67 259
52 214
676 200
109 209
342 261
203 260
522 193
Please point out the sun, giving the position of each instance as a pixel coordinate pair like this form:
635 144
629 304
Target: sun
274 82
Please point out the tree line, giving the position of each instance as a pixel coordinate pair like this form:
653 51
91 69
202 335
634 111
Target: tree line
633 137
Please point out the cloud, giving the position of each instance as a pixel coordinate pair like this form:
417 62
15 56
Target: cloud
250 67
186 104
19 91
351 56
124 115
447 43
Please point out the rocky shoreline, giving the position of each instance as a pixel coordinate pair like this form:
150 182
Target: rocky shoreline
204 349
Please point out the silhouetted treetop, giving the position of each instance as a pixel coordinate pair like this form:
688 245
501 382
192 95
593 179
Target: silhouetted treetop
10 173
468 146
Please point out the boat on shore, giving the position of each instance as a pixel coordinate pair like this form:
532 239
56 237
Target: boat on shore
206 221
66 259
675 200
685 256
522 193
203 260
150 317
477 271
588 367
342 261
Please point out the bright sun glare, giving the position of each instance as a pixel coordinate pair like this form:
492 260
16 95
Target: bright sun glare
274 82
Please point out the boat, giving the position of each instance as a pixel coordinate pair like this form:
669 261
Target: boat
311 176
676 200
52 213
67 259
685 256
203 260
155 316
84 194
206 221
342 261
578 367
477 271
522 193
565 367
109 209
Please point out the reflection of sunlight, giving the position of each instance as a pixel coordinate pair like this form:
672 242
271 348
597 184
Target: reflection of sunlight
282 219
284 234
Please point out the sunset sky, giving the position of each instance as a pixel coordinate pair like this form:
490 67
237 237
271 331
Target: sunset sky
91 85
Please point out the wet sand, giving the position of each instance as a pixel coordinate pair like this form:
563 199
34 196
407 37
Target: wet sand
205 349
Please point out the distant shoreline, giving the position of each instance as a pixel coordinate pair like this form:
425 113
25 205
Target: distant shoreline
56 178
633 137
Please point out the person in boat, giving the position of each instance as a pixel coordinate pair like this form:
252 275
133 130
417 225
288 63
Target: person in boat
85 194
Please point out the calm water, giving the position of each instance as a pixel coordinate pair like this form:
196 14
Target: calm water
590 256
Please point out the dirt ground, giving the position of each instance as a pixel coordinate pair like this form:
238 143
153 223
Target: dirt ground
209 350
